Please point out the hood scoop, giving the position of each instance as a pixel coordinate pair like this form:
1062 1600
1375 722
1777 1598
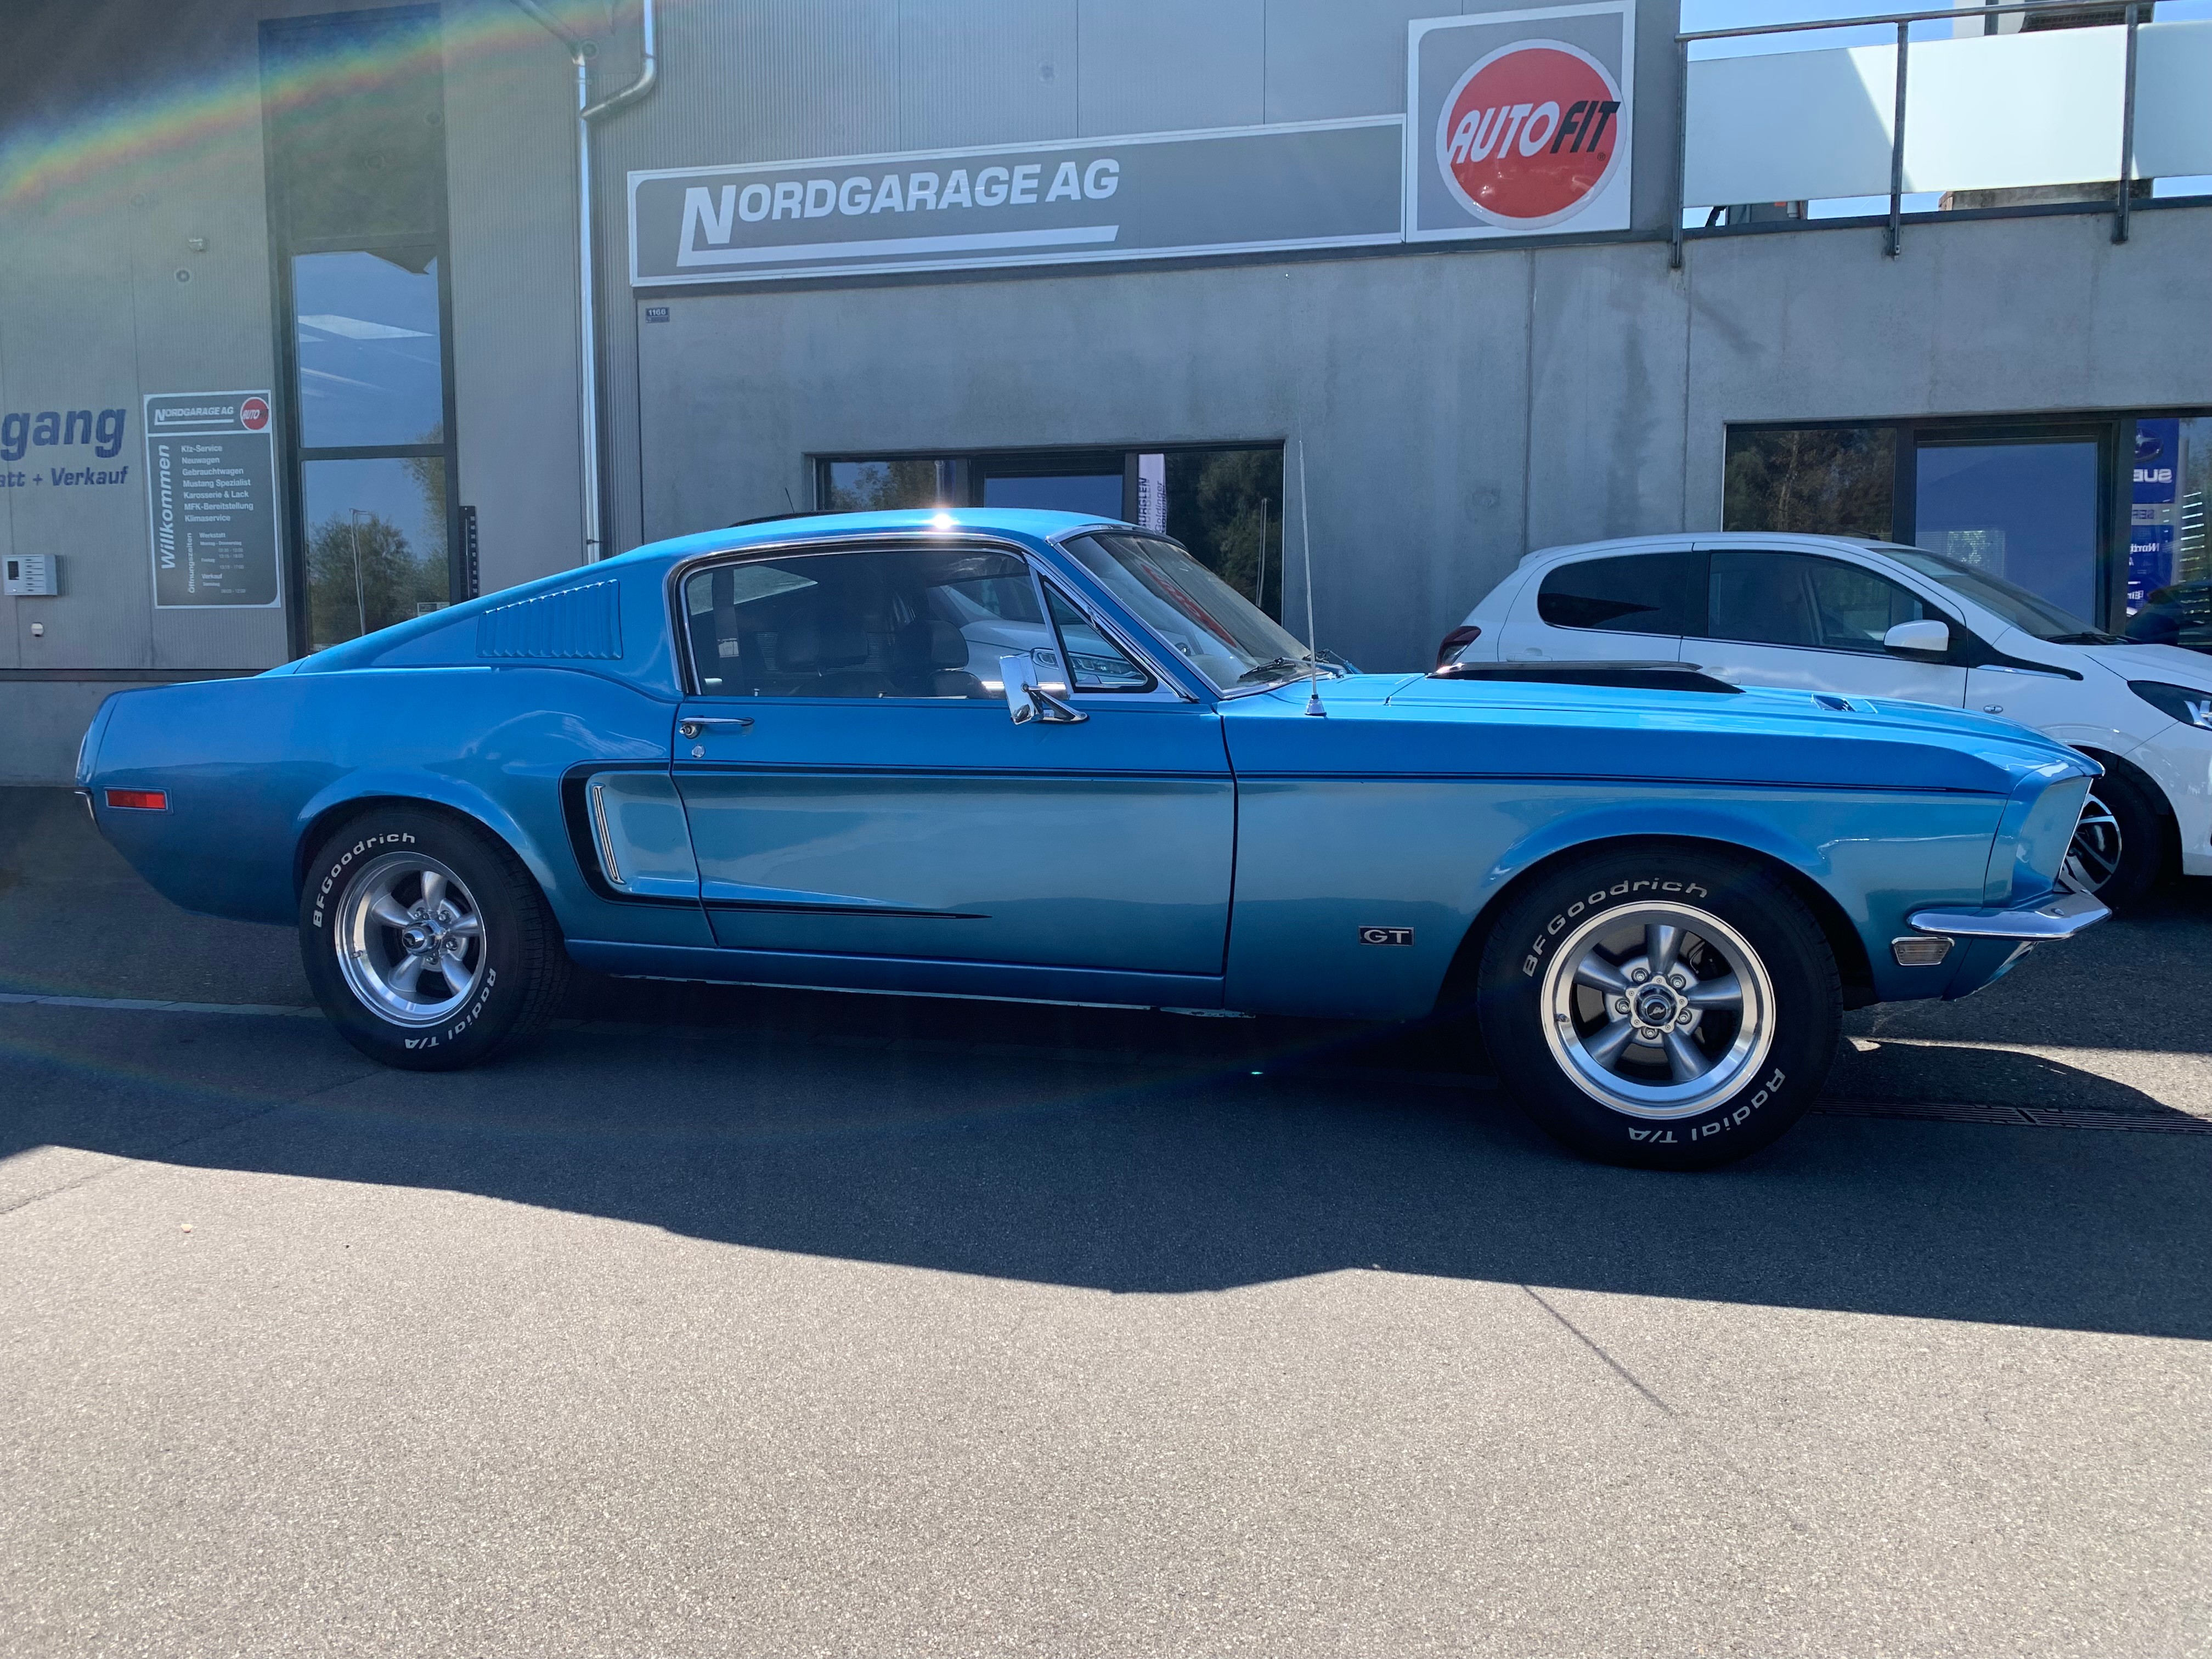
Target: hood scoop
1632 675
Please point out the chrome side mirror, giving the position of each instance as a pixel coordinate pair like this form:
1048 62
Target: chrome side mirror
1025 702
1924 638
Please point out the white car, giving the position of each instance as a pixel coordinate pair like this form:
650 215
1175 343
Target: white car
1870 619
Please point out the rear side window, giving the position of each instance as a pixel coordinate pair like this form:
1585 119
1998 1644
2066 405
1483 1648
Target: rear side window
1634 593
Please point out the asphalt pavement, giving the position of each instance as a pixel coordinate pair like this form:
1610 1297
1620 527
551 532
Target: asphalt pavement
738 1323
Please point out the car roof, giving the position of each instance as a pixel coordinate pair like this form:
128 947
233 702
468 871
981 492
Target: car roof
1769 540
1033 524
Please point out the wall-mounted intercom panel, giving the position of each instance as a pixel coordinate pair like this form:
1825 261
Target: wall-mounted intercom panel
32 575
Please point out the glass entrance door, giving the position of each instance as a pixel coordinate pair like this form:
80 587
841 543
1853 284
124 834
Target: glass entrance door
2033 512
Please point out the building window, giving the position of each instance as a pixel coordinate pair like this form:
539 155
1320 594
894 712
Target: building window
354 106
2031 513
2169 561
2045 502
1223 503
1830 480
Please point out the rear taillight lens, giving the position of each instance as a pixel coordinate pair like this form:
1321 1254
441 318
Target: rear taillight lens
139 800
1456 641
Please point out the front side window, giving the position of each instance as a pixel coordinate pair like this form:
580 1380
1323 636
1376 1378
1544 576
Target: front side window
1803 599
1633 593
922 623
1095 663
1219 632
2031 613
1853 608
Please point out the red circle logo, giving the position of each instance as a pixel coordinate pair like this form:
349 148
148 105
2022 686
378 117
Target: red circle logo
253 414
1530 134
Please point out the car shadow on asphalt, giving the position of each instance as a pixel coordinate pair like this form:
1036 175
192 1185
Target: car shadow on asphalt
1139 1172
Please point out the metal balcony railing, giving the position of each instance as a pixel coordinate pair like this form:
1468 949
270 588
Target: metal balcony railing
1993 114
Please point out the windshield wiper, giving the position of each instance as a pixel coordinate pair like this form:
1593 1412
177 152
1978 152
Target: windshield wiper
1280 664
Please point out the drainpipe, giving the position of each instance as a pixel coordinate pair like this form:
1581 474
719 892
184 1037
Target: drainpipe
588 333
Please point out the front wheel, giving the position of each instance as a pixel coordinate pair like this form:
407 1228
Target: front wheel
426 941
1670 1010
2119 848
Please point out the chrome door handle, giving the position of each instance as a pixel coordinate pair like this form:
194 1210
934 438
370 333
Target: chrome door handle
689 727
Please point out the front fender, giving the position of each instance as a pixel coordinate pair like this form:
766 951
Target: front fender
1324 865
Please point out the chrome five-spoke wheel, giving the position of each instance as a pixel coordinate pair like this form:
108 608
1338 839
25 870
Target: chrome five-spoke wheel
1658 1010
2092 858
411 939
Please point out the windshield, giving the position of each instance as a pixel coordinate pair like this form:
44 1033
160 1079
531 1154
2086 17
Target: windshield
1219 632
2035 617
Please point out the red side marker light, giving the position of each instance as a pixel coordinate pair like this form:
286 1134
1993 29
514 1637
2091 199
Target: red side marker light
139 800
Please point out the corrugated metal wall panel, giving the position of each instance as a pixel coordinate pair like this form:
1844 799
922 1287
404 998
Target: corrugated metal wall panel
769 80
511 174
1329 59
1170 66
986 72
214 332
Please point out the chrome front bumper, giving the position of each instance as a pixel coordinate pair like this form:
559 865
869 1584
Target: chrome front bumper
2060 916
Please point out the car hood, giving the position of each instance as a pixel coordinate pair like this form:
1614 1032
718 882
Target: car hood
2169 663
1414 725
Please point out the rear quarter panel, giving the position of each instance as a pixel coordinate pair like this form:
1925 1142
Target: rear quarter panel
250 766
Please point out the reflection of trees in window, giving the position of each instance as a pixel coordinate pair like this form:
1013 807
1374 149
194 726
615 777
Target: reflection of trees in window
428 472
363 575
881 486
1217 501
1826 481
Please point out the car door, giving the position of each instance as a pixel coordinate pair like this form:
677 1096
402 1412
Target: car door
856 785
1620 607
1815 624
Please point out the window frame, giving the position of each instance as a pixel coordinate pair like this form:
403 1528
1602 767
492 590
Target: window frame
1163 688
1153 681
1805 576
295 456
2111 429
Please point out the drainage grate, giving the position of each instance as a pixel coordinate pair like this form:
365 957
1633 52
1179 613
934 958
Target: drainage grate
2046 1117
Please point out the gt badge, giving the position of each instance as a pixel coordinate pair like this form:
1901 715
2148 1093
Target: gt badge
1386 936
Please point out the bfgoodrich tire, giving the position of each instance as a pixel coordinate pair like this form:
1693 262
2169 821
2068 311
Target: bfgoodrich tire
1672 1009
426 941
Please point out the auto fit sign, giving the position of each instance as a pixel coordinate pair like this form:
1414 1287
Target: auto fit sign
1519 122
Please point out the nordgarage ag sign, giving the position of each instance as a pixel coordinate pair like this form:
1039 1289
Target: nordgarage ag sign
1323 184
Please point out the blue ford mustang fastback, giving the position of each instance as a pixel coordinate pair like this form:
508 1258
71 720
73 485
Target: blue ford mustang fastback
1031 755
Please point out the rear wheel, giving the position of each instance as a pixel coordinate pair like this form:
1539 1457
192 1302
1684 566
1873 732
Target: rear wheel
426 941
1665 1009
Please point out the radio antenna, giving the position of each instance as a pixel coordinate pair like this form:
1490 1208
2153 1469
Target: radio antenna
1305 544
